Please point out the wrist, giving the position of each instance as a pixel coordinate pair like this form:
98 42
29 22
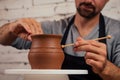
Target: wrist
109 72
7 36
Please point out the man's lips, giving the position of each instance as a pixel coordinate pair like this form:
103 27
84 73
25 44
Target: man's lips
87 7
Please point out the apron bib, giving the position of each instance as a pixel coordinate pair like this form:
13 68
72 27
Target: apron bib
74 62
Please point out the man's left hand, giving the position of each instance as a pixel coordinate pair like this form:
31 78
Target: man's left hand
96 54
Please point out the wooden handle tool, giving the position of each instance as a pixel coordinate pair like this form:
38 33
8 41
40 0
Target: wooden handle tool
97 39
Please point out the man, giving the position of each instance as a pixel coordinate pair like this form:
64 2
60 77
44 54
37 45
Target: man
100 58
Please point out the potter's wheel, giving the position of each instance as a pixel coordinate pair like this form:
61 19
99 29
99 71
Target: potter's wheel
45 74
44 71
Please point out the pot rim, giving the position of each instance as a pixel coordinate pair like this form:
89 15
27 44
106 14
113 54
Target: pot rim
51 35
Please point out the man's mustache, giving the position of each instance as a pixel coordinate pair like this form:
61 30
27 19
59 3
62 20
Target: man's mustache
87 4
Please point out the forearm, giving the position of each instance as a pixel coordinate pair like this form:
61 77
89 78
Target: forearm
6 36
111 72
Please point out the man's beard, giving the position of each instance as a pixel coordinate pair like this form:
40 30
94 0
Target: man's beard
86 10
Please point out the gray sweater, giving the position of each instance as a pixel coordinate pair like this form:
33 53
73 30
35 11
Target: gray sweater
58 27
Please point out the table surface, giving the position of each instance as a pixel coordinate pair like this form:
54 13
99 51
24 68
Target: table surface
44 71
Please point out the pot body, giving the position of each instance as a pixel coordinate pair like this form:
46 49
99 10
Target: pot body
46 52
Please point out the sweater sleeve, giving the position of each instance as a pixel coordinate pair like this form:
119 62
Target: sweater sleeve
19 43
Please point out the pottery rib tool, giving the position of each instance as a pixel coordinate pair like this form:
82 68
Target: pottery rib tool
97 39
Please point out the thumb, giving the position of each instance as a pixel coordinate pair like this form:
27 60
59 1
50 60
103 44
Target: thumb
79 39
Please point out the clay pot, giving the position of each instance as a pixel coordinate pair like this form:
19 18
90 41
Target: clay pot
46 52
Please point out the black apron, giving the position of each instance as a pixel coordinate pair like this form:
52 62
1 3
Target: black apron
74 62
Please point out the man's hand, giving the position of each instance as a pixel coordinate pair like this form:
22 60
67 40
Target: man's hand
22 28
25 27
96 54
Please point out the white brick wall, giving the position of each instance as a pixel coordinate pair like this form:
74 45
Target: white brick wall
41 10
13 9
15 4
112 9
11 58
39 2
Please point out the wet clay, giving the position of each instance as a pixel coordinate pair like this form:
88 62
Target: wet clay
46 52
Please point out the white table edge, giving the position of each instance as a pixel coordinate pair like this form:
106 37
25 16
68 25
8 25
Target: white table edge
44 71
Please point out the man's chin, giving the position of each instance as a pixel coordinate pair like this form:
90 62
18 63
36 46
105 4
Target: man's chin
87 15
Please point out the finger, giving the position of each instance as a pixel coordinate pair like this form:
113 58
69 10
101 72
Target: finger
78 46
23 36
31 25
21 29
29 38
90 48
23 24
26 27
95 57
80 42
97 44
98 66
36 26
79 39
40 30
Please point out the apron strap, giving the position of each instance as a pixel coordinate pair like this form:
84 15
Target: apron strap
102 32
67 31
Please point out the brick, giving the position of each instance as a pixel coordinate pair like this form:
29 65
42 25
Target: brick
4 66
65 8
12 55
14 4
11 50
71 0
14 58
7 57
39 2
111 12
12 14
112 9
51 18
2 22
40 11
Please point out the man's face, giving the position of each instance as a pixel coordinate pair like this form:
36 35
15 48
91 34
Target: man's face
89 8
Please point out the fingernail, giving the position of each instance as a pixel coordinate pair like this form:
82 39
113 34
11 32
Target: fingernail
76 43
88 61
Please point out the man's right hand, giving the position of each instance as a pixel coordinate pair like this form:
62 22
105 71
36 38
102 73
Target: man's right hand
25 27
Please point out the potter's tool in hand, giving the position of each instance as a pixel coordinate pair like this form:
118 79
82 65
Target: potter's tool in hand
97 39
